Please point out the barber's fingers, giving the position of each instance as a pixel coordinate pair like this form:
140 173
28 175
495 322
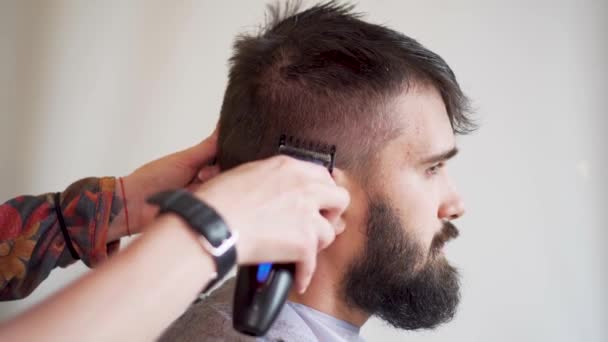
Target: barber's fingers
199 154
331 200
305 268
321 236
334 217
326 233
207 172
336 220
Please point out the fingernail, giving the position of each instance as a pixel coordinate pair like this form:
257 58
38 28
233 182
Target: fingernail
304 286
203 174
342 227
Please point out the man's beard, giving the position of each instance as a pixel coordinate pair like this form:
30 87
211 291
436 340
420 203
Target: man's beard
392 279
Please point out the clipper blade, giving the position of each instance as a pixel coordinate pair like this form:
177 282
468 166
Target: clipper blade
315 152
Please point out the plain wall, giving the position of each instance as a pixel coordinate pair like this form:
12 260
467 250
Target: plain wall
99 88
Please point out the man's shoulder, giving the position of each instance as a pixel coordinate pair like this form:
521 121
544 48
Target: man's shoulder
210 319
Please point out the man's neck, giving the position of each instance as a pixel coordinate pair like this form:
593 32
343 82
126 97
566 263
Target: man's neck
322 295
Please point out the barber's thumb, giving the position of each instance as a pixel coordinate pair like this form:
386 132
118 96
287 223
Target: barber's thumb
208 172
200 154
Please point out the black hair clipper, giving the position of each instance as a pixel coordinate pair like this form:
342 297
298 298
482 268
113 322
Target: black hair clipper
261 291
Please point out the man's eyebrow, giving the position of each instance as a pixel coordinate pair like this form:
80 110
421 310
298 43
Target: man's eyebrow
441 156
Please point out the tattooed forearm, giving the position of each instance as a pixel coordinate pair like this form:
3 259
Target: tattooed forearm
31 241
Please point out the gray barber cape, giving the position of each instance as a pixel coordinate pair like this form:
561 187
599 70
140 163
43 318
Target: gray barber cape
211 320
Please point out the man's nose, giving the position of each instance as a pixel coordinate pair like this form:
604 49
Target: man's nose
452 208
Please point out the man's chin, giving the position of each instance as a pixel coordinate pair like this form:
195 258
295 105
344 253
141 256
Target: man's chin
392 280
427 300
408 300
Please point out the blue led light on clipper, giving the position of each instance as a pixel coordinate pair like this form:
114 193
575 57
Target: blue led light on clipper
263 272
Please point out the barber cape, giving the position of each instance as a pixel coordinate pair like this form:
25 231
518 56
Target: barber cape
211 320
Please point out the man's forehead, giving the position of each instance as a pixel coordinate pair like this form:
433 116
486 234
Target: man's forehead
425 128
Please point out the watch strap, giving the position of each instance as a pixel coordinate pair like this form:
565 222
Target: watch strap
215 237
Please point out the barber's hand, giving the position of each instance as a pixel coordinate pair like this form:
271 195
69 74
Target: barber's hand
284 210
176 170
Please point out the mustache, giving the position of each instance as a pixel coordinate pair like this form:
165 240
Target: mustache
447 233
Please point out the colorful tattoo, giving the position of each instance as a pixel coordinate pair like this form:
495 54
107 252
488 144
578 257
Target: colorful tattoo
31 242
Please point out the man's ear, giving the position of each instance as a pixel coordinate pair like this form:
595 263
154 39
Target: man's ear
347 180
340 177
358 198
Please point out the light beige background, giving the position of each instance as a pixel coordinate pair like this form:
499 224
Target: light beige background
100 87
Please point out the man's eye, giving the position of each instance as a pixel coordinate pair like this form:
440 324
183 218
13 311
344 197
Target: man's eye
434 169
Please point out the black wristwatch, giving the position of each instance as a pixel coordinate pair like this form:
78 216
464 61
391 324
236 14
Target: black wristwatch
215 237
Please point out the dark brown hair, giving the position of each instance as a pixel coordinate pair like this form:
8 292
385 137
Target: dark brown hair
323 74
